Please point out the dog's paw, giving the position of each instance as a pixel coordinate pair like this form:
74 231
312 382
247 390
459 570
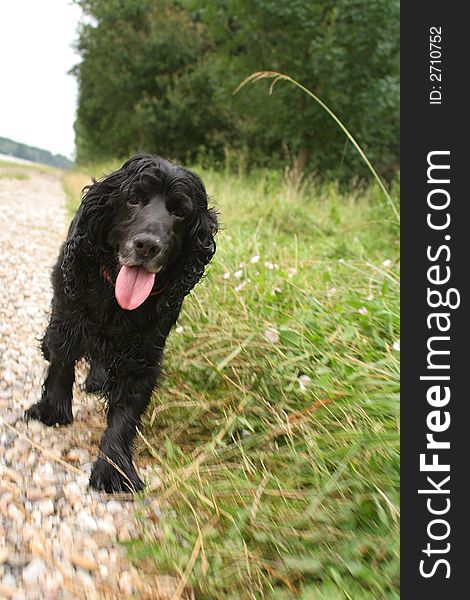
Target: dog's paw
44 413
106 478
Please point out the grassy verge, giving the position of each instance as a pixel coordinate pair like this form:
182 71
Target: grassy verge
75 180
25 167
276 425
10 174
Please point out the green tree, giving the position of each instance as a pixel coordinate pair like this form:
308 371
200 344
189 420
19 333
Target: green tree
346 51
159 75
141 85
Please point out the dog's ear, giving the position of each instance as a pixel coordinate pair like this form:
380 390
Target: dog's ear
76 253
200 247
85 242
96 207
201 242
205 223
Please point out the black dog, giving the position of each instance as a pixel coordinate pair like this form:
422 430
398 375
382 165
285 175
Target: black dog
138 244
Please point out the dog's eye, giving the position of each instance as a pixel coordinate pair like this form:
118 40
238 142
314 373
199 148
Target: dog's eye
178 211
176 208
133 201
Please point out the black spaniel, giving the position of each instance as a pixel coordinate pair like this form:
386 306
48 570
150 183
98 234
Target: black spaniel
138 244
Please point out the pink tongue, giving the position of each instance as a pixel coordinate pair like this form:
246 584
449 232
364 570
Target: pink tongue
133 286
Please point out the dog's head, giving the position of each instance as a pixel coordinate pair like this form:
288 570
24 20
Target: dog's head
148 225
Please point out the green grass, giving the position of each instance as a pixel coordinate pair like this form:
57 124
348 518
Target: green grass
28 166
73 183
276 426
19 175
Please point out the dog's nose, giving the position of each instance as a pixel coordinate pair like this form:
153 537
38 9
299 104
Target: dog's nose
146 246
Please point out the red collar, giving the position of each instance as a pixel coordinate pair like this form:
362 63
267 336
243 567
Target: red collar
107 275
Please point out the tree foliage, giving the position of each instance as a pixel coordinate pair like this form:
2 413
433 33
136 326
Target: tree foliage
159 75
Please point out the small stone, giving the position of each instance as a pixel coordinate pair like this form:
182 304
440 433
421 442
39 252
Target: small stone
65 533
11 418
86 521
47 526
155 507
104 571
37 548
50 491
154 481
15 514
10 474
85 562
8 586
48 470
272 335
72 491
46 507
22 445
28 532
8 376
52 584
36 517
85 577
107 527
77 506
34 494
124 534
66 569
57 450
125 583
31 460
77 455
113 507
4 554
102 555
33 572
35 426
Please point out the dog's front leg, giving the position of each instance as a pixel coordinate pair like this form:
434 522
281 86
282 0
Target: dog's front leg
55 406
127 400
61 348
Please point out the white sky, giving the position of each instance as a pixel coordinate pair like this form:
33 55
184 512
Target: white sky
37 97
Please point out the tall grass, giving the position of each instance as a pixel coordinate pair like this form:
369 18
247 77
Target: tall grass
276 77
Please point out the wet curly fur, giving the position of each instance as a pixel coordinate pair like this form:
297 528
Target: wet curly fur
123 347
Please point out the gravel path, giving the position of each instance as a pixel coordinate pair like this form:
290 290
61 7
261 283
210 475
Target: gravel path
58 540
